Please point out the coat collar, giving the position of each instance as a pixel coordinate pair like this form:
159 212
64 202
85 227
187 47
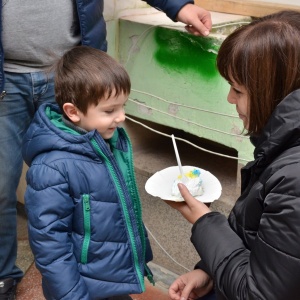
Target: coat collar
281 132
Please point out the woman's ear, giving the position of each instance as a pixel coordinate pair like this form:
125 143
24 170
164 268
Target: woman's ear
72 112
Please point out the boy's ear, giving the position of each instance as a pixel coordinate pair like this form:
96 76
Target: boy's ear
72 112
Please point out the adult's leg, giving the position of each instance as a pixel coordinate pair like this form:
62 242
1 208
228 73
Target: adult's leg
15 116
24 93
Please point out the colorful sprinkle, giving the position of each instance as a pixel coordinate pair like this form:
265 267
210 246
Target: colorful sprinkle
191 174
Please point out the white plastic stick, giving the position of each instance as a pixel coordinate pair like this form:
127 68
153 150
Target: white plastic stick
177 156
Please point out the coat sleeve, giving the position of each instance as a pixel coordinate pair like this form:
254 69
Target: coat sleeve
271 270
49 209
170 7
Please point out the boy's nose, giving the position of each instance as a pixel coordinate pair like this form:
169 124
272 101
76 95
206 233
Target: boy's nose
121 117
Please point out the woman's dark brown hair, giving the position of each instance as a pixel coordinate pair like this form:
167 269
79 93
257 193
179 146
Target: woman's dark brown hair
264 57
84 76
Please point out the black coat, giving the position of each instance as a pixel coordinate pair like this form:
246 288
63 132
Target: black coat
255 254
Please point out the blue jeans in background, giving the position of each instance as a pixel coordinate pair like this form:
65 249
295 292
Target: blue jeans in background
24 94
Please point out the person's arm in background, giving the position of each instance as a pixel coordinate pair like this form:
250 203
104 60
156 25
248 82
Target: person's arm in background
197 20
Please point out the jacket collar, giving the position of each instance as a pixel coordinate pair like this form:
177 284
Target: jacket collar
281 132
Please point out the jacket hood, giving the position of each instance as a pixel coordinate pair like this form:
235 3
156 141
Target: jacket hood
47 132
282 130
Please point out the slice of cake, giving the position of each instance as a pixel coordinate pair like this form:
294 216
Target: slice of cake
191 180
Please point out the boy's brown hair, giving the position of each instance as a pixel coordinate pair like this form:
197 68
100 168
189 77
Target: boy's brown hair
264 57
85 75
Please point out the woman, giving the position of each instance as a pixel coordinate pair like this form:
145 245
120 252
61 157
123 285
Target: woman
255 254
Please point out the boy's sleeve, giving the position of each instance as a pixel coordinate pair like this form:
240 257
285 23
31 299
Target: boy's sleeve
170 7
49 209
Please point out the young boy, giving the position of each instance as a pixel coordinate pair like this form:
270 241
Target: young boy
84 212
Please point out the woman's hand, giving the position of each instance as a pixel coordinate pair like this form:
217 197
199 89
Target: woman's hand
191 208
198 20
191 285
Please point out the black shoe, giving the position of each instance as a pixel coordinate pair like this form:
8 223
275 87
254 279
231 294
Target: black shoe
8 287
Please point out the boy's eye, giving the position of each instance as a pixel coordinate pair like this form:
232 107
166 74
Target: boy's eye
110 111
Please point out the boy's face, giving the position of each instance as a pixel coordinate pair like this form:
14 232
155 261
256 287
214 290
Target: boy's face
105 116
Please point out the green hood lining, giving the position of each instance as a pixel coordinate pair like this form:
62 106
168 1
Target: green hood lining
56 120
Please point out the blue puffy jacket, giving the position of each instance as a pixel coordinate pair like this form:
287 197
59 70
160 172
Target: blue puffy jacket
92 23
84 212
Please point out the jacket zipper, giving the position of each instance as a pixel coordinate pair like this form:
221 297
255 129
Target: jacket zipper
87 227
149 275
126 214
141 228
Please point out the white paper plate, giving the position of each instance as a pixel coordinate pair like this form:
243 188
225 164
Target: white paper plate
160 184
